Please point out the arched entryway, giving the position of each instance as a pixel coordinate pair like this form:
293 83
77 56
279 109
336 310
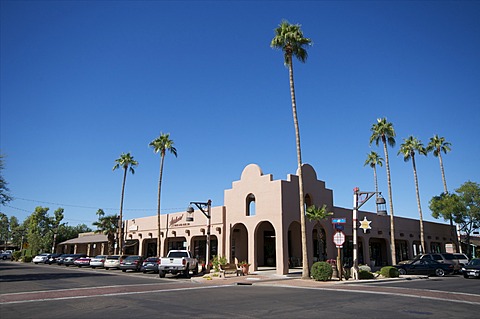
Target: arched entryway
378 252
294 245
265 242
239 243
149 247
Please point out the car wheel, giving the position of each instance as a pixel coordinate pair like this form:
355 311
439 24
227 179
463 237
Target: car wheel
402 271
161 274
439 272
465 276
186 272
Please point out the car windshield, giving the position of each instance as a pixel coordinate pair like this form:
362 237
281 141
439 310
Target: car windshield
113 257
152 259
474 262
132 257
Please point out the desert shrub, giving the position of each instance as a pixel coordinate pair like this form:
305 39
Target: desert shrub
218 261
363 274
16 255
321 271
27 259
365 268
389 272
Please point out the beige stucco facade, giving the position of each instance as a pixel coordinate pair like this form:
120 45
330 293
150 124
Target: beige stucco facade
259 222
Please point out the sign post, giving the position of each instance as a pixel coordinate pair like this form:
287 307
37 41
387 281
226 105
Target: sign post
339 240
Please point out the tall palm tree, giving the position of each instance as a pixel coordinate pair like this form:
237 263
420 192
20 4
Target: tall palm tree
383 131
437 145
318 214
373 159
161 145
408 149
289 38
126 162
107 225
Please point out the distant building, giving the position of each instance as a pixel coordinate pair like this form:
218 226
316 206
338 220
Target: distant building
260 223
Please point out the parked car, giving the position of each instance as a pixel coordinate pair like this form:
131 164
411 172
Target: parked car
178 261
462 259
60 258
426 267
97 261
53 259
7 254
472 269
70 260
82 261
42 258
113 261
131 263
150 264
444 258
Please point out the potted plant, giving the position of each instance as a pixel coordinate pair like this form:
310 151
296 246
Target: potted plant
245 266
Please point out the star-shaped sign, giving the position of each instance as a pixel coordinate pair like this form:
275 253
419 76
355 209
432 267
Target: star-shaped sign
365 224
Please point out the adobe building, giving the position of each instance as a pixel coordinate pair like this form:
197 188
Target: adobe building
260 222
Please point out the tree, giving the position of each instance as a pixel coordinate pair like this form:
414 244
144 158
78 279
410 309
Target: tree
161 145
383 131
289 38
437 145
4 229
107 225
408 149
38 228
318 214
55 222
373 159
126 162
463 207
4 195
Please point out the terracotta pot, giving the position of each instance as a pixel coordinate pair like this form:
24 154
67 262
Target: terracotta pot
245 269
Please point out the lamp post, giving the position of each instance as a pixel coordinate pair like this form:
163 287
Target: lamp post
380 201
205 208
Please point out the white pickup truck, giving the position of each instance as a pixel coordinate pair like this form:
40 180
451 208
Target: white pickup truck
177 261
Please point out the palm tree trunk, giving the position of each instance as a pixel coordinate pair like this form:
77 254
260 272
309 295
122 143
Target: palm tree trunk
376 185
445 190
305 270
443 173
392 222
120 226
422 236
159 241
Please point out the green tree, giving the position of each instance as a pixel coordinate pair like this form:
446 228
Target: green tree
38 229
408 149
107 225
289 38
383 131
4 191
4 229
463 207
373 159
16 232
126 162
161 145
318 214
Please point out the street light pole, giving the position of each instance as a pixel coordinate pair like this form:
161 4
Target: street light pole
205 208
356 205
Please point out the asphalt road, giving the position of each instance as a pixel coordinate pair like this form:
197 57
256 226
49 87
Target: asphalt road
50 291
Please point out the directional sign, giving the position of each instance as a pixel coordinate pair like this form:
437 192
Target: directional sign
339 220
339 227
339 238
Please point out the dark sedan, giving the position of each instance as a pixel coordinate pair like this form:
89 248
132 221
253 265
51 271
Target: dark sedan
425 267
472 269
150 264
131 262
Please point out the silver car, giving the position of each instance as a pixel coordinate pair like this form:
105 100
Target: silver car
113 261
97 261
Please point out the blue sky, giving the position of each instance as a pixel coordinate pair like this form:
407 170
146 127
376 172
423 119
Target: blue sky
83 81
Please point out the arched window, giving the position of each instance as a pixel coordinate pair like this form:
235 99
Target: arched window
307 201
250 207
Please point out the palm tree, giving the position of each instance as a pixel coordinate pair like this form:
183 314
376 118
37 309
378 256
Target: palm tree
126 162
289 38
437 145
107 225
160 145
383 131
318 214
408 149
373 159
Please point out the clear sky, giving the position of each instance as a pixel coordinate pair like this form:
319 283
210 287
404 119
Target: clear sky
84 81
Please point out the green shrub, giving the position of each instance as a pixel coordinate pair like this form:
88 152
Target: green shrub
17 255
321 271
218 261
27 259
365 268
389 272
363 274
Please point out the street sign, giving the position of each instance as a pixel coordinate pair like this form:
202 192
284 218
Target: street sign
339 220
339 227
339 238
